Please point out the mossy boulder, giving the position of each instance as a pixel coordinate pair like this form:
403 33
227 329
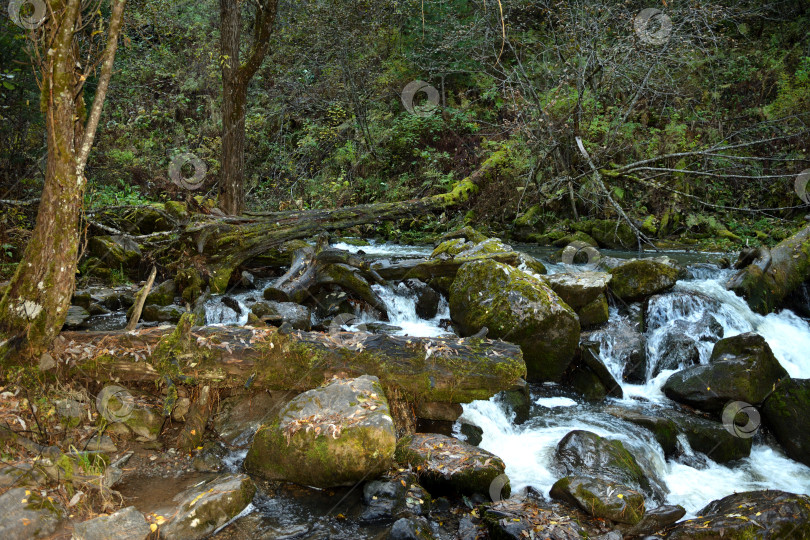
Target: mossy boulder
336 435
601 498
609 233
450 466
145 422
583 453
206 507
638 279
589 376
177 210
115 252
517 307
787 415
742 368
163 294
585 292
772 514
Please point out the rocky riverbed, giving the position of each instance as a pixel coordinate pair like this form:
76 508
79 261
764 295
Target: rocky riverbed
649 400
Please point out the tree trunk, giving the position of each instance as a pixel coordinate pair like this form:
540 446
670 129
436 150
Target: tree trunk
236 77
35 305
449 370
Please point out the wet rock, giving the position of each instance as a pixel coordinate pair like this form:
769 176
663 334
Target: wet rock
639 278
247 281
590 377
601 498
110 298
518 519
204 508
449 465
127 524
742 368
787 415
115 252
664 429
517 400
76 317
703 435
752 514
582 453
427 299
278 313
595 313
621 340
655 520
470 433
26 514
678 350
411 528
22 475
163 294
239 416
520 308
169 314
470 529
209 459
335 435
390 499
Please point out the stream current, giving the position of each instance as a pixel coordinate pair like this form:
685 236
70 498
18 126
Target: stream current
528 449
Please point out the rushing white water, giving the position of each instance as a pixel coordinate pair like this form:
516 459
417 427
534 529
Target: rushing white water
528 450
386 249
400 302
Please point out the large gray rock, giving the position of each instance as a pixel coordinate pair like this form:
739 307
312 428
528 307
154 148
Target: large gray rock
448 465
204 508
742 368
517 307
585 292
335 435
127 524
393 498
25 514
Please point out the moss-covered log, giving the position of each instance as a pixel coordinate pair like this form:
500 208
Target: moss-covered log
228 242
423 369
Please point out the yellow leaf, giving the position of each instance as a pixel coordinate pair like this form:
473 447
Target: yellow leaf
153 527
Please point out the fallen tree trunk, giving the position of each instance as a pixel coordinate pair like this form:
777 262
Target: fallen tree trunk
770 279
447 370
228 242
432 268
